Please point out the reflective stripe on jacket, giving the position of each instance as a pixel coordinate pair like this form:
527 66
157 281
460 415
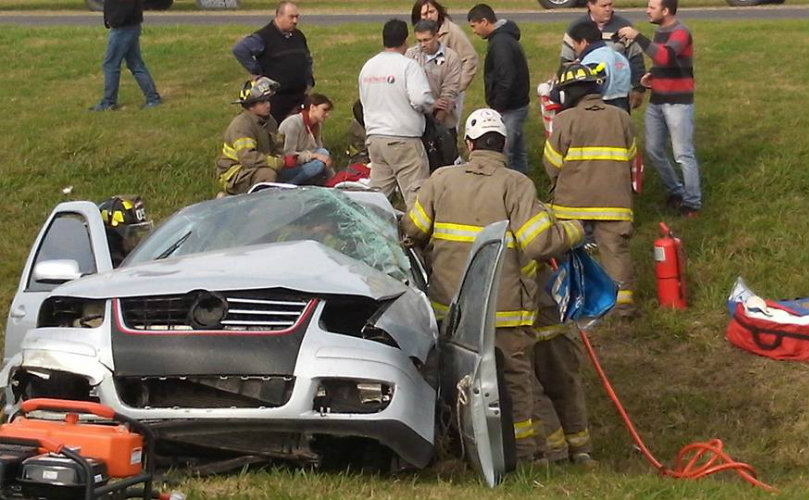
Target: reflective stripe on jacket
456 203
250 142
588 158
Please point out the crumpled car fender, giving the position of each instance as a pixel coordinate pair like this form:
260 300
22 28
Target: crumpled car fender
410 321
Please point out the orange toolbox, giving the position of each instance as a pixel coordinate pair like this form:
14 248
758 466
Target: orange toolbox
121 449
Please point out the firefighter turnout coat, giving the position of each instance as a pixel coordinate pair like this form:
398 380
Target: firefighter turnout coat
588 158
251 143
456 203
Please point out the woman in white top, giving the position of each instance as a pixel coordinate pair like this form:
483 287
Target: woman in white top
306 160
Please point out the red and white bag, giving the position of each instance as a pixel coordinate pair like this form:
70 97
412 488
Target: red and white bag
775 329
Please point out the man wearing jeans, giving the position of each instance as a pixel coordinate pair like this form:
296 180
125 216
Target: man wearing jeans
671 107
123 18
505 78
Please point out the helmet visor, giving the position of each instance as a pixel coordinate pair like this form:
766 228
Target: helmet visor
132 234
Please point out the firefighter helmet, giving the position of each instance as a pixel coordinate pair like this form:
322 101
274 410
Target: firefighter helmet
125 216
482 121
579 73
260 89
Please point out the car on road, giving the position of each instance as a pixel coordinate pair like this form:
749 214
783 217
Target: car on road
289 323
98 5
566 4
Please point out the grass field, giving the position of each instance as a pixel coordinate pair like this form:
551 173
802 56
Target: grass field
679 378
311 6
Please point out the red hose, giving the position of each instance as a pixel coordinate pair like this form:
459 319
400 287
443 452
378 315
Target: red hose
695 460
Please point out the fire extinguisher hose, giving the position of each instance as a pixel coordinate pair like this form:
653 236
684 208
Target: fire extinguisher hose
695 460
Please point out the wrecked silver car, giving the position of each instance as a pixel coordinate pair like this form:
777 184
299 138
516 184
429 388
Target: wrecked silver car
282 324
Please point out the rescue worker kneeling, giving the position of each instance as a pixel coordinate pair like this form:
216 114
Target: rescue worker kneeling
252 152
588 158
451 208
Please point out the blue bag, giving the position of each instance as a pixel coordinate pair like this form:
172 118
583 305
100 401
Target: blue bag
581 288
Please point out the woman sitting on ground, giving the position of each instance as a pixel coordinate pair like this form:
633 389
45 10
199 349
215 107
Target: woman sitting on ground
307 161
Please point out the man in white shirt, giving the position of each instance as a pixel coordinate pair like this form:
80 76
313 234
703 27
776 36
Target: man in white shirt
395 95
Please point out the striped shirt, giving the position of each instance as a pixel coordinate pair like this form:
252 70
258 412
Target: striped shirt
672 64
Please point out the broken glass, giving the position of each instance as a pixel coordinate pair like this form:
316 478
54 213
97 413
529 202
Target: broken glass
328 216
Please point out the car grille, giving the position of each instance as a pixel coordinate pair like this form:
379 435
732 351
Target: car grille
261 310
205 392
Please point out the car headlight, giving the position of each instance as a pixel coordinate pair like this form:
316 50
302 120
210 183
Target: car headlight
354 316
71 312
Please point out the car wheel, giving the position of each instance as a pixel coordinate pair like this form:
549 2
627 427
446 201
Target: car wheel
95 5
559 4
218 4
743 3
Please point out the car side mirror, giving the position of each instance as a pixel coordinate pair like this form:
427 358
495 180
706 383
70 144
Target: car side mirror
56 271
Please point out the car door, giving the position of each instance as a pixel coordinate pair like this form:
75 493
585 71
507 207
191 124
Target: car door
469 380
73 233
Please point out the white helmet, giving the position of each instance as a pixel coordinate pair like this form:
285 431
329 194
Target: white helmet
482 121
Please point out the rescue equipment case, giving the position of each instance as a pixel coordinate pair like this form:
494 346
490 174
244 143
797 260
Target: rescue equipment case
72 459
774 329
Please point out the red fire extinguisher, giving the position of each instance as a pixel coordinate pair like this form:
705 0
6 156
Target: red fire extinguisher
670 269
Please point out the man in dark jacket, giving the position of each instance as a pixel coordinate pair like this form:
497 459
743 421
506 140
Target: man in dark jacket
123 18
505 78
279 52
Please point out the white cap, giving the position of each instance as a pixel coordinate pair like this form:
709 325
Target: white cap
482 121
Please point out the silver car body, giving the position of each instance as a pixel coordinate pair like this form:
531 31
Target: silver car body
123 339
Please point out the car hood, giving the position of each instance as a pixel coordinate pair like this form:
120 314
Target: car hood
305 266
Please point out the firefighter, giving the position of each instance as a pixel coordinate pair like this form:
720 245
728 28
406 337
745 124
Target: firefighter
252 152
560 411
451 208
126 224
588 158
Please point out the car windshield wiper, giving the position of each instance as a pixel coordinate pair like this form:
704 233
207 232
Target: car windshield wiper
174 246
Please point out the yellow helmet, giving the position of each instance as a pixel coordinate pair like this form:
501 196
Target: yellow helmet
579 73
125 216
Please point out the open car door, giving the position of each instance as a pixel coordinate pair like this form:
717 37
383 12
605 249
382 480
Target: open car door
71 244
469 384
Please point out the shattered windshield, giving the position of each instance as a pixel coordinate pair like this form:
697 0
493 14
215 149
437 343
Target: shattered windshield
359 230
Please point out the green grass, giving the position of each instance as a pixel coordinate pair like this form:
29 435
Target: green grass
312 6
679 378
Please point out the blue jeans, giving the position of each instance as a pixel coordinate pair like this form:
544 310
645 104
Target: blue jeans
675 122
124 44
302 173
516 155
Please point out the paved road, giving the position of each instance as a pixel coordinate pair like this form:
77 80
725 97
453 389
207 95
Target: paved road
254 18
